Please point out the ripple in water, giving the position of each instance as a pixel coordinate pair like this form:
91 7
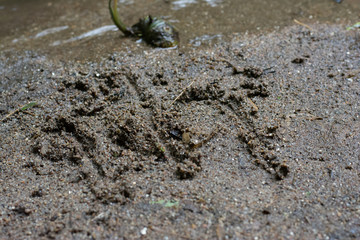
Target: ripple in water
178 4
92 33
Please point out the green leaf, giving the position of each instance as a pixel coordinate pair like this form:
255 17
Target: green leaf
27 106
165 203
172 204
356 25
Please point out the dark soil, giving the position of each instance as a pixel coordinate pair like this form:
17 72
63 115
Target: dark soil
258 138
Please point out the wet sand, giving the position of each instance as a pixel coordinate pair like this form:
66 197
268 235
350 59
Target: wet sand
256 138
249 130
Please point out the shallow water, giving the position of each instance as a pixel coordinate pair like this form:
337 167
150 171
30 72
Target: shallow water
81 30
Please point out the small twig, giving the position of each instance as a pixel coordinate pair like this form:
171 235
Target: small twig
313 118
180 94
21 109
303 24
253 105
10 114
29 113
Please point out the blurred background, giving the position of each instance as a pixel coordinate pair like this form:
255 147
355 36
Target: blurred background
82 29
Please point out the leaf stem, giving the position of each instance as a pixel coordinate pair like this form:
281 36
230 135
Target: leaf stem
116 19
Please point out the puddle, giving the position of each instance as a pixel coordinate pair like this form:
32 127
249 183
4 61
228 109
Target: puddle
92 33
185 3
67 30
50 31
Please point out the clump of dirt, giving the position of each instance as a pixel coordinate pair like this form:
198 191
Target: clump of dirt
238 137
119 121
